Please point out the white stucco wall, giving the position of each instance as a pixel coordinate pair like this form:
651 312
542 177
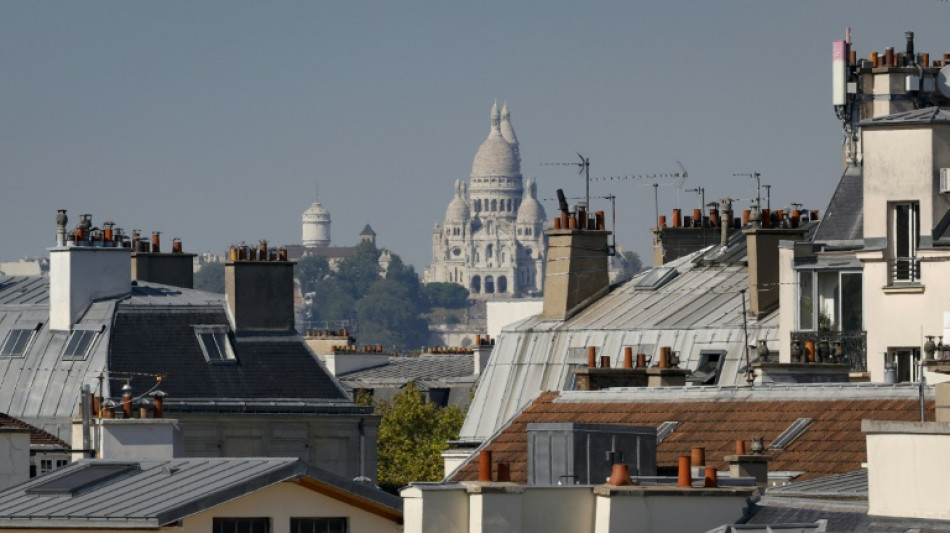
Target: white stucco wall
78 275
503 312
14 456
787 298
908 469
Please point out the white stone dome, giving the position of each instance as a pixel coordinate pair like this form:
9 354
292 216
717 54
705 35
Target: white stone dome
317 212
316 226
531 211
496 156
458 210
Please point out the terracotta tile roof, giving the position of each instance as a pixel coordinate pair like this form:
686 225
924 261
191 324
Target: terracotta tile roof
37 435
832 444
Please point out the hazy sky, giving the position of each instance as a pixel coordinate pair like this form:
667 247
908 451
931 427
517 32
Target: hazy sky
214 121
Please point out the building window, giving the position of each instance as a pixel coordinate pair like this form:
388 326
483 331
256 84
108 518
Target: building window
319 525
904 239
17 343
478 205
905 362
830 301
489 285
241 525
79 344
476 284
215 344
502 284
488 252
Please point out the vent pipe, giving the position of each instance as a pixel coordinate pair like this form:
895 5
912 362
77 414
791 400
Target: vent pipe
726 208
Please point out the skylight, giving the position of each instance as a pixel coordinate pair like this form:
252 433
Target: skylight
17 343
77 347
787 436
655 278
215 344
663 430
82 478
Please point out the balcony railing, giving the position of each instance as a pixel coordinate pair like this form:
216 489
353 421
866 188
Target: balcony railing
846 347
904 270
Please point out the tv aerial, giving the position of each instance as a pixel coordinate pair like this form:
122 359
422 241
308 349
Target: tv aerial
676 179
584 165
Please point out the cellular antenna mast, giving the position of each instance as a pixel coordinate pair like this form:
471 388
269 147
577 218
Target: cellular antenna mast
584 165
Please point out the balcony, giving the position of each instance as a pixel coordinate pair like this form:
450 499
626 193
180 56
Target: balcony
847 347
903 270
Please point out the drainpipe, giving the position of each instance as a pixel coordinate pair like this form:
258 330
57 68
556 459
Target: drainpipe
86 409
362 428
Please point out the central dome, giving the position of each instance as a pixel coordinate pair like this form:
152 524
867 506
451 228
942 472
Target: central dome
496 156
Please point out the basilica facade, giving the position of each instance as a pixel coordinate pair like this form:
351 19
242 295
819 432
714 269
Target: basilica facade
492 238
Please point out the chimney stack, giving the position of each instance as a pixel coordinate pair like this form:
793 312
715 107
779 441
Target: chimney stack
175 268
260 293
576 269
762 255
83 270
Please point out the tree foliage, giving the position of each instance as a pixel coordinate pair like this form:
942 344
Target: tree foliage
412 435
448 295
210 278
310 271
386 311
632 263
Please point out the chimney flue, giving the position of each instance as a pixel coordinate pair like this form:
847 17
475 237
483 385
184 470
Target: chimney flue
684 478
484 465
156 245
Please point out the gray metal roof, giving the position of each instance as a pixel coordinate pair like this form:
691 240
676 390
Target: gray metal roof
422 368
844 217
927 115
700 309
147 333
851 485
158 493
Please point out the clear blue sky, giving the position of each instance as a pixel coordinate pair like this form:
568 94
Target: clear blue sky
213 121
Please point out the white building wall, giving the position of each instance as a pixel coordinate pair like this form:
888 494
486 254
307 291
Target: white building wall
80 274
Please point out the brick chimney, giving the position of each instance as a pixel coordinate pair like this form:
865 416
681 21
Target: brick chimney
762 253
260 291
86 267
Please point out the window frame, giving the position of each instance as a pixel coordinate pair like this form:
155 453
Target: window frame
25 348
815 296
93 336
233 524
904 242
219 335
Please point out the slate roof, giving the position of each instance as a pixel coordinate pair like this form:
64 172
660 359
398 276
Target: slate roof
715 419
844 217
161 492
38 437
428 368
163 342
927 115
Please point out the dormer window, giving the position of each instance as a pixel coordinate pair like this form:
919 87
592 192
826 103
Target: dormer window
904 267
215 344
80 343
18 342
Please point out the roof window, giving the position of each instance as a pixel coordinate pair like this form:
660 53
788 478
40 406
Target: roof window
82 478
18 341
79 344
797 428
655 278
215 344
663 430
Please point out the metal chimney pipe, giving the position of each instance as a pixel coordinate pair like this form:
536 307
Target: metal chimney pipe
127 401
61 220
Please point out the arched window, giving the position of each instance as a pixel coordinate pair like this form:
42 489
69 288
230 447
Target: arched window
476 284
494 205
478 205
502 284
509 205
489 285
501 255
488 252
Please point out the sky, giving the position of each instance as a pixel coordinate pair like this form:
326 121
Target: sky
221 122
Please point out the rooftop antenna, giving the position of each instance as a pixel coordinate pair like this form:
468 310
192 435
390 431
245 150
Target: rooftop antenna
584 169
758 190
679 178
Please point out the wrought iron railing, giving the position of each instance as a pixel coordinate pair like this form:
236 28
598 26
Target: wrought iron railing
904 269
846 347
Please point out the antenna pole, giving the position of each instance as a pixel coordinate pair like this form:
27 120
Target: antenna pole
656 205
768 197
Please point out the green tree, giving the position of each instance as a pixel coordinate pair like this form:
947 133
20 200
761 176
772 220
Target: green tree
412 435
387 315
311 270
332 301
359 272
632 263
210 278
448 295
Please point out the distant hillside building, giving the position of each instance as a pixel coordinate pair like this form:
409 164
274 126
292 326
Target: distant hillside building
492 238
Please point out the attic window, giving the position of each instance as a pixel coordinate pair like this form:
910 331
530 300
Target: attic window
655 278
79 343
82 478
790 434
215 344
18 342
707 372
664 430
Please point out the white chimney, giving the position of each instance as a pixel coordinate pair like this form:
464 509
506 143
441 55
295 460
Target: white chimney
15 450
134 439
81 271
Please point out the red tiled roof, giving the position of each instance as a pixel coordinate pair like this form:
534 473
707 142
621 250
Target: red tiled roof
832 444
37 435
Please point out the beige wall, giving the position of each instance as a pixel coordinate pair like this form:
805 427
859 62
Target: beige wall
503 507
788 300
908 469
898 166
